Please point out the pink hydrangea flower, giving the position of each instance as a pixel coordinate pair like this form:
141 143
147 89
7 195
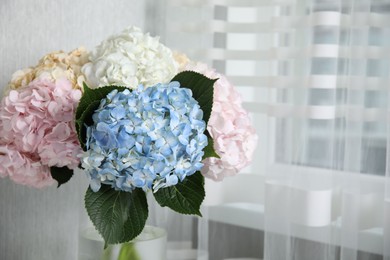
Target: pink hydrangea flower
23 168
229 125
37 121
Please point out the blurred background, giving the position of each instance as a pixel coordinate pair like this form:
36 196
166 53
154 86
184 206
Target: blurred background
314 75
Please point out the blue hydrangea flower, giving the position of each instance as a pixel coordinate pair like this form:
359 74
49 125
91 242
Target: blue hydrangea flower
147 138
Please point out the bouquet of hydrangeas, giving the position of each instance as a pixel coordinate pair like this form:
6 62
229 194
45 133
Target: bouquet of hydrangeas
135 117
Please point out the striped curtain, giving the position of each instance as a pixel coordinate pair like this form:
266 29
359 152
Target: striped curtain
315 76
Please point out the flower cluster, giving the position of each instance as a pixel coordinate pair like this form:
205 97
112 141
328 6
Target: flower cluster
139 132
37 131
230 127
145 138
129 59
148 138
53 66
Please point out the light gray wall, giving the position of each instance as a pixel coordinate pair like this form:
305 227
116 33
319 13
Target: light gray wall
44 224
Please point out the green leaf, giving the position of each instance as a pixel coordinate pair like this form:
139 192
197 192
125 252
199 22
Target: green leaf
185 197
118 216
89 102
202 89
61 174
85 119
209 149
91 95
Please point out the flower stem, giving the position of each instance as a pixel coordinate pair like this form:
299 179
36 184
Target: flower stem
128 252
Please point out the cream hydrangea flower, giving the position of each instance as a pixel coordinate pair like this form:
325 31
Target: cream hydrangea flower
55 65
181 59
129 59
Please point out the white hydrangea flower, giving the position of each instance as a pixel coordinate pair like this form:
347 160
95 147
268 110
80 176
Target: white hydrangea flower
129 59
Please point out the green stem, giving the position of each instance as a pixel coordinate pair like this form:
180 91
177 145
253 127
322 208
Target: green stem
128 252
107 253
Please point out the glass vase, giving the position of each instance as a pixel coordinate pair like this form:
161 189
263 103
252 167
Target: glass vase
149 245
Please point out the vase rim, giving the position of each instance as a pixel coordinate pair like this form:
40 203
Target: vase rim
91 233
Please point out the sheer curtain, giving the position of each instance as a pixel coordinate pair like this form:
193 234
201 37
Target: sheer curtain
327 183
315 75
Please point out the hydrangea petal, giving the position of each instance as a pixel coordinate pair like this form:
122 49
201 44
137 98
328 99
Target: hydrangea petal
151 140
234 136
